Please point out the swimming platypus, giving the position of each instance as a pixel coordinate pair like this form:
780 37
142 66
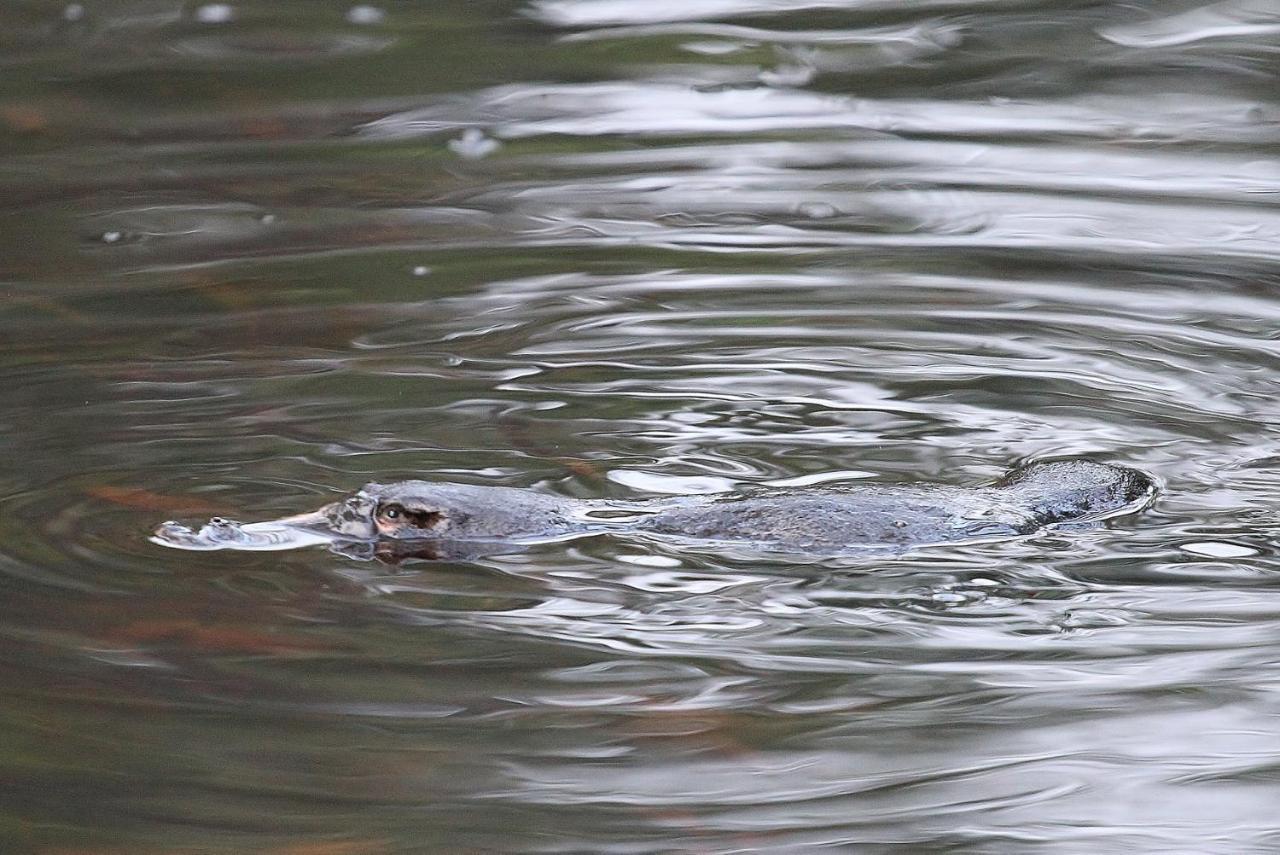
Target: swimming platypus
422 517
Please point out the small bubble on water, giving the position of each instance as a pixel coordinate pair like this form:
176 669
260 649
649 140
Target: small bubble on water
73 12
473 144
817 210
215 13
112 237
366 15
1092 619
421 270
713 48
947 38
267 219
650 560
787 76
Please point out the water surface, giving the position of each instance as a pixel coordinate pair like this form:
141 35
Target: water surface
257 254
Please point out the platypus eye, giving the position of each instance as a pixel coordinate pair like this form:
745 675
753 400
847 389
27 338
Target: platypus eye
397 516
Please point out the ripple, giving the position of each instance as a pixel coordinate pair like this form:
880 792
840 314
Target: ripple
276 46
628 107
1231 19
94 521
583 13
929 32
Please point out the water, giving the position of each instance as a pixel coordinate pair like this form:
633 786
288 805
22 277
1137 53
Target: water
256 254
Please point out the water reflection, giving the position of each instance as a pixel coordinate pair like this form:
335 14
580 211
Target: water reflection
258 254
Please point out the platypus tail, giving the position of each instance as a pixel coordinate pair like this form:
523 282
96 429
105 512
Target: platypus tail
1070 490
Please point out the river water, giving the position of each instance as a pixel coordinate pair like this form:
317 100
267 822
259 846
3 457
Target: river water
256 254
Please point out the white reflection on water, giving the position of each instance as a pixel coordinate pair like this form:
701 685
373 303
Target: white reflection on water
589 13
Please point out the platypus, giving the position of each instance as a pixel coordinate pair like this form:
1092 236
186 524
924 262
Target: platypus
434 519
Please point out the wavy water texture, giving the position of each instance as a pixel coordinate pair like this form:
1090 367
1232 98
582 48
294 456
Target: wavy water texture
256 255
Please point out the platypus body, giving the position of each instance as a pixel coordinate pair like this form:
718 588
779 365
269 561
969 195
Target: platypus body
447 520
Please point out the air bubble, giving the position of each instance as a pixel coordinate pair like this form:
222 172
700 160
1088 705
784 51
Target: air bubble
216 13
366 15
473 144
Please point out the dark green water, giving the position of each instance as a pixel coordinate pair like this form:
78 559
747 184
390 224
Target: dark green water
254 255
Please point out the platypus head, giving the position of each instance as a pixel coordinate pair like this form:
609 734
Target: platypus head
406 512
423 510
1061 490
